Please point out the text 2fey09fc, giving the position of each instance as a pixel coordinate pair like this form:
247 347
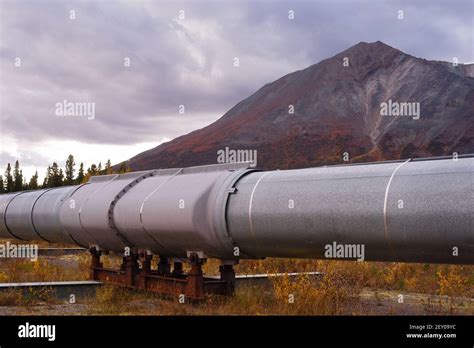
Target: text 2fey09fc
408 211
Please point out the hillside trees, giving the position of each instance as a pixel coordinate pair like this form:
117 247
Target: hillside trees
13 179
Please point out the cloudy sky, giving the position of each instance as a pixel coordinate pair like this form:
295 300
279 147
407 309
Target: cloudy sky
140 62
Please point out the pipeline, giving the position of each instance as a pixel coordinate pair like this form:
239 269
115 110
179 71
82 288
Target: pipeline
403 211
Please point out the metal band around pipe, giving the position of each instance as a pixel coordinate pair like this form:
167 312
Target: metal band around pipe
119 195
33 209
386 200
250 205
5 216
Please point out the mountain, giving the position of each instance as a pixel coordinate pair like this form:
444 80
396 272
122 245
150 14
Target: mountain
337 109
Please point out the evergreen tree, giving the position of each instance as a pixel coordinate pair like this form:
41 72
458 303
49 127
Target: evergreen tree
61 177
92 170
54 176
80 174
18 177
99 169
25 184
47 178
69 171
33 184
9 183
2 189
108 167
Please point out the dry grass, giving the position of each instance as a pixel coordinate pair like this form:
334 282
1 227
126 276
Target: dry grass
28 298
73 267
337 292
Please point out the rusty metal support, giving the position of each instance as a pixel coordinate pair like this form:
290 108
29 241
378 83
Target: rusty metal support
95 262
164 266
228 276
131 269
146 264
124 262
177 268
195 283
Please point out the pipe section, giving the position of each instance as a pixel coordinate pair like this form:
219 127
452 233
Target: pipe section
407 211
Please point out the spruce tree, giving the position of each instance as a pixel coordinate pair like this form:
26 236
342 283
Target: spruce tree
9 183
92 170
33 184
61 177
57 176
69 170
18 177
108 167
80 174
47 178
54 175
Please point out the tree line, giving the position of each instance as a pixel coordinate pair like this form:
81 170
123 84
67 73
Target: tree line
13 179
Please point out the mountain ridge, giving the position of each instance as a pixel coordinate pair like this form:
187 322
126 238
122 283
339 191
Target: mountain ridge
337 111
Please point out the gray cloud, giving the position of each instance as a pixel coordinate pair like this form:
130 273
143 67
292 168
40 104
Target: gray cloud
33 158
189 61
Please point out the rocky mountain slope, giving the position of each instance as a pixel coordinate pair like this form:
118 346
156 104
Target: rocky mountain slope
337 110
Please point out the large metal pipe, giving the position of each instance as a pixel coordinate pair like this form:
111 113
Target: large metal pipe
412 211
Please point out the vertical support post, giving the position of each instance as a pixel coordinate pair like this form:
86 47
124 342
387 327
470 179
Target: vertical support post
95 262
228 275
164 266
146 264
177 268
131 269
124 263
195 279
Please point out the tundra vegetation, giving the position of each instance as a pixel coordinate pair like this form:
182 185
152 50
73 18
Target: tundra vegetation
346 288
